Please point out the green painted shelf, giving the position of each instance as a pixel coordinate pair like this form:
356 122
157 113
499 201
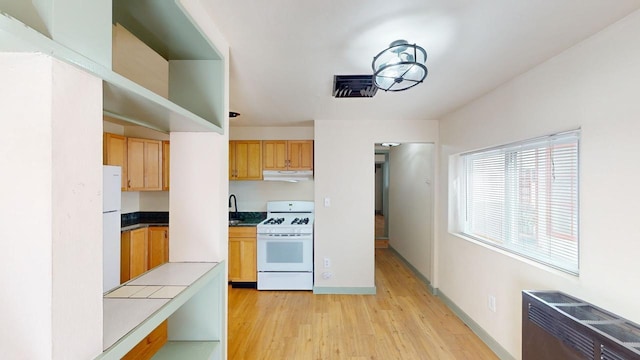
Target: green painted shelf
192 350
123 99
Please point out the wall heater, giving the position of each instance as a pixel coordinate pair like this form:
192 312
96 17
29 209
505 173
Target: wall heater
556 326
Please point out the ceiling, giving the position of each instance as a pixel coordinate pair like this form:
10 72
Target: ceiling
284 53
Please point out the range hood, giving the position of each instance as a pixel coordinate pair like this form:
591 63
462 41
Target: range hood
286 175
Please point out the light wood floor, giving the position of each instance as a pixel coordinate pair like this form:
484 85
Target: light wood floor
402 321
379 220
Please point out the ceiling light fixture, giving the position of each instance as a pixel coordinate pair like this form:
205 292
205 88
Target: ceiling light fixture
390 144
400 67
233 114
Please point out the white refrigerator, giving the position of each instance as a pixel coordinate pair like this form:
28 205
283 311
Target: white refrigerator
111 227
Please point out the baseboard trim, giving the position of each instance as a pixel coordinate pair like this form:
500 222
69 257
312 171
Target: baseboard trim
477 329
415 271
344 290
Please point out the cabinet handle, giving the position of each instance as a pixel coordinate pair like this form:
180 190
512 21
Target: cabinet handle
129 183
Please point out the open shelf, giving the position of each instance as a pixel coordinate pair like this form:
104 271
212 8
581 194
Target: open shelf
192 350
123 98
193 313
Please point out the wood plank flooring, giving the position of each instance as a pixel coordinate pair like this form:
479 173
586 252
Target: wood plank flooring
402 321
379 229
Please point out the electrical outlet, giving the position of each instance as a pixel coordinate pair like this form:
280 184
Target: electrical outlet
491 303
327 263
327 275
327 202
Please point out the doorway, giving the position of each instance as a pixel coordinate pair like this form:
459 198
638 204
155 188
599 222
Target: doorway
404 201
381 173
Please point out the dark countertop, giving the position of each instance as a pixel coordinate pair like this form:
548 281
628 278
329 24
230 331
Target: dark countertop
139 219
141 225
248 218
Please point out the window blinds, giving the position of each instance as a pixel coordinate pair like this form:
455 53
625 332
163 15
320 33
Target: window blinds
523 198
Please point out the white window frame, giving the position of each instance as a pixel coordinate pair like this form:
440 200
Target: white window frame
537 242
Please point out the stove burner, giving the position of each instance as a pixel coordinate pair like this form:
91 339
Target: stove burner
298 221
274 221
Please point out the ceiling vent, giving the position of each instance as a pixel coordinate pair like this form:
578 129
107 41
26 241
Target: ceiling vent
353 86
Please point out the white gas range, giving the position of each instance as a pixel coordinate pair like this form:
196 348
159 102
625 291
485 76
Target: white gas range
285 246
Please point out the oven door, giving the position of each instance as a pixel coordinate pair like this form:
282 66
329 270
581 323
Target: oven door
282 252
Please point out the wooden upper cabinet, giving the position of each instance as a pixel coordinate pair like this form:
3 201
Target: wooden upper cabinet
288 154
300 154
275 154
245 160
115 153
166 152
144 162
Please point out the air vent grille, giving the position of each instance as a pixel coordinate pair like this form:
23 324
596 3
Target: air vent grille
353 86
608 354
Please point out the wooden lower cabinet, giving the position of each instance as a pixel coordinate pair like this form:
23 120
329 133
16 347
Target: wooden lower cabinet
158 252
141 250
149 345
133 259
242 254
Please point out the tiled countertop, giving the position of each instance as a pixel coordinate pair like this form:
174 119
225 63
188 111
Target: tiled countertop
126 307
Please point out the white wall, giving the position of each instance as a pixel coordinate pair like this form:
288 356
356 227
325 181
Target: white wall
270 132
411 204
344 232
594 86
51 209
198 221
253 195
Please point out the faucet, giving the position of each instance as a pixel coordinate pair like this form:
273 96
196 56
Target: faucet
235 207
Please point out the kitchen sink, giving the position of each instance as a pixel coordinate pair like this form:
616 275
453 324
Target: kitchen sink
235 222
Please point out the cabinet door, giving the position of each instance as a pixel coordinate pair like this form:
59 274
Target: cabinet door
248 160
144 160
158 246
152 165
274 154
165 165
300 154
133 260
235 258
232 160
249 268
150 344
135 164
242 260
115 153
242 254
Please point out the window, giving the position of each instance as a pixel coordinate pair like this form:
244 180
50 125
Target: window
523 198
